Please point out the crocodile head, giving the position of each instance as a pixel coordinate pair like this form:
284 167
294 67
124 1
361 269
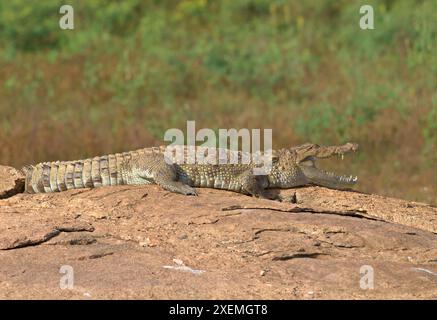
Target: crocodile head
297 166
306 161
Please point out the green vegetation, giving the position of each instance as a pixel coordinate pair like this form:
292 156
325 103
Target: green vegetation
132 69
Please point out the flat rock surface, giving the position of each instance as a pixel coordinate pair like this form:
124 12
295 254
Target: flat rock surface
145 243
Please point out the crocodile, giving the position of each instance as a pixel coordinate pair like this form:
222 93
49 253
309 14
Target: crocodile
290 167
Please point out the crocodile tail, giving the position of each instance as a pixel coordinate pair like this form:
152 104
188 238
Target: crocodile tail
24 170
64 175
27 172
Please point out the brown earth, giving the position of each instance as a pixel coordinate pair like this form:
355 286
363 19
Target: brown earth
144 242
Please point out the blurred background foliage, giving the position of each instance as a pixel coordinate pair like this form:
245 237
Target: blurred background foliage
132 69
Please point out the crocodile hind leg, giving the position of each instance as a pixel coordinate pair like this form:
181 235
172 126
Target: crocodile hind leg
169 182
256 185
153 169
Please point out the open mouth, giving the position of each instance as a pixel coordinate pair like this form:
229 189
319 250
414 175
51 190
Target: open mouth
325 178
328 179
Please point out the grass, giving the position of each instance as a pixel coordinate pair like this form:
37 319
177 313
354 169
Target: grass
131 70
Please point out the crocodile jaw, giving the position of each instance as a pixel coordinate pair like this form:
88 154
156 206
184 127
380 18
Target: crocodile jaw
327 179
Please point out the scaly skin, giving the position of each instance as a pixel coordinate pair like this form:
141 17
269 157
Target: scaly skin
291 167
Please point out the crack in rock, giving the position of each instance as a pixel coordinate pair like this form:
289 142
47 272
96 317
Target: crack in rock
22 243
97 255
347 213
258 232
74 241
311 255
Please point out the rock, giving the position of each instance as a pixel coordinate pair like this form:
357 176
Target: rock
11 182
169 246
